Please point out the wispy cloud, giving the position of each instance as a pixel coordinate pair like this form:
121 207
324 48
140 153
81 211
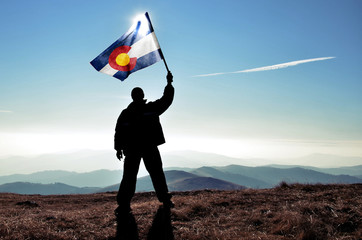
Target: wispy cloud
5 111
272 67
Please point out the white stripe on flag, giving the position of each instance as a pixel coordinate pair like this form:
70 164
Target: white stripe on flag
108 70
144 46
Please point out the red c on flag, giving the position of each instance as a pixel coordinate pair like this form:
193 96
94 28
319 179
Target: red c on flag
120 60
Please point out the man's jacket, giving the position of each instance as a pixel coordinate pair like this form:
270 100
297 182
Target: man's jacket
139 124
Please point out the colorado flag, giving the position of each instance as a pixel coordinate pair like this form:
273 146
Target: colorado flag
136 49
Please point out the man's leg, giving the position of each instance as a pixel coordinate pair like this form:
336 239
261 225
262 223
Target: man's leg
127 187
153 163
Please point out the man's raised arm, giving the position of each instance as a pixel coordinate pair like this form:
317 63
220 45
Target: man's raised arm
162 104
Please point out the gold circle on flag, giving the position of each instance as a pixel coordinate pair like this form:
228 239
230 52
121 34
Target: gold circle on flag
122 59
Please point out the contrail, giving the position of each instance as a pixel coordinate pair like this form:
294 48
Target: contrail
267 68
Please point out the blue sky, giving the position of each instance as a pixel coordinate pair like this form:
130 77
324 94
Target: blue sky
51 99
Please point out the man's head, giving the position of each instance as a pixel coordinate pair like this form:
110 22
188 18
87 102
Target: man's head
137 94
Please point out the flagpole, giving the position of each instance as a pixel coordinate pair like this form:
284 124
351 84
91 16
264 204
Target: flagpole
164 60
161 53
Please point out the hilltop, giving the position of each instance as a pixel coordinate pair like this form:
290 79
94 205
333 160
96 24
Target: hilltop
293 211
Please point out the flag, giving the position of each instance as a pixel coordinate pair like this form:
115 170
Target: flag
136 49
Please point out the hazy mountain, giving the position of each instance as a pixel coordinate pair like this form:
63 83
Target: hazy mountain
144 184
217 177
326 161
226 177
86 161
181 181
193 159
184 181
176 176
352 171
185 169
79 161
199 183
99 178
246 181
111 188
274 176
45 189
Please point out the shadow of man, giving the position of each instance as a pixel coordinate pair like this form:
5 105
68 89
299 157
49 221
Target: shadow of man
126 227
161 228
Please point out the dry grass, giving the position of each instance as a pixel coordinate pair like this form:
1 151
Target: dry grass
285 212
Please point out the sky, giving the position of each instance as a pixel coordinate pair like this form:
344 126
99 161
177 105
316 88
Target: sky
256 79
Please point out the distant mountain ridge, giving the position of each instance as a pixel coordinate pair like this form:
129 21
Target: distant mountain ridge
247 181
185 181
244 175
80 161
90 160
98 178
44 189
201 183
273 176
223 178
352 170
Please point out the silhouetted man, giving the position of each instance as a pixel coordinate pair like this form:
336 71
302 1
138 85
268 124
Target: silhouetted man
138 133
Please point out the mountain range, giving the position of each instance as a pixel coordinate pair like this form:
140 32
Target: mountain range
220 177
44 189
98 178
87 161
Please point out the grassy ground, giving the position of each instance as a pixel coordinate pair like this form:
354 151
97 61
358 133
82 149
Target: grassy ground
284 212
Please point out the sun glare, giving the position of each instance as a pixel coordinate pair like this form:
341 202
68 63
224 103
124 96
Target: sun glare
138 17
40 143
263 148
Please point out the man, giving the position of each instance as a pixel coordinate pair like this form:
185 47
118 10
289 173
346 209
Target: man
138 133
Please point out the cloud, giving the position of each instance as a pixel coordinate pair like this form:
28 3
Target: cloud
272 67
5 111
211 74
